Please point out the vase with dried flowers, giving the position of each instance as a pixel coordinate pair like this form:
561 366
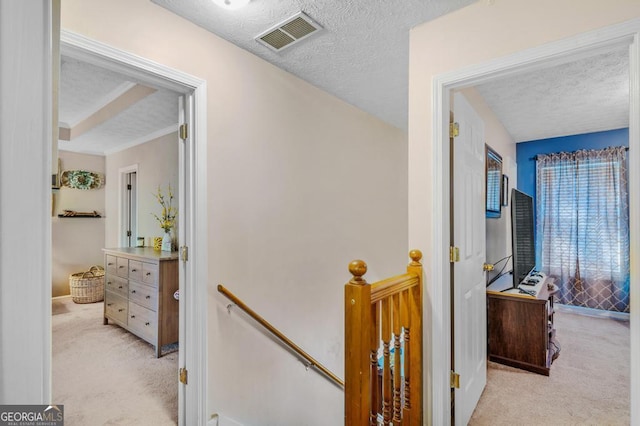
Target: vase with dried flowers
167 218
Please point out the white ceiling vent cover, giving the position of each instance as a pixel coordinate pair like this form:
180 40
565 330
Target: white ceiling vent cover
288 32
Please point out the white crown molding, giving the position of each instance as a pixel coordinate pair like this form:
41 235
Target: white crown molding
144 139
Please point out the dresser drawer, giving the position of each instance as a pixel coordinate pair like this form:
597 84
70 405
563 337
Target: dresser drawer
135 270
123 267
111 266
117 285
143 295
115 307
150 274
143 322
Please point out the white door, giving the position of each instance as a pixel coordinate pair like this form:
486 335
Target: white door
185 117
469 298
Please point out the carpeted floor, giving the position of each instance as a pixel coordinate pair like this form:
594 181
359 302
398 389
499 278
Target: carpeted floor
104 375
589 382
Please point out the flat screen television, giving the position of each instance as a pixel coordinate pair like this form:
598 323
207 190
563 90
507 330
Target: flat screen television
522 236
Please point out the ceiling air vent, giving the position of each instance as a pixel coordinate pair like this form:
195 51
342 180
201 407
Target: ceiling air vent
288 32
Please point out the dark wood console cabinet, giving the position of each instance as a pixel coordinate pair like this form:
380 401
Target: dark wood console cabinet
521 331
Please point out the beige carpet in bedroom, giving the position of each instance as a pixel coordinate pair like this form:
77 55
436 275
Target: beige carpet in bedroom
589 382
105 375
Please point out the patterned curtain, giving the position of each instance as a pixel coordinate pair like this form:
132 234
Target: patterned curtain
582 226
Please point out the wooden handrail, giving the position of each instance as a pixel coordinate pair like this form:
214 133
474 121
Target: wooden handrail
284 339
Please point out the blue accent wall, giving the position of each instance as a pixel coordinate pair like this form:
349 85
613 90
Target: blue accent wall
526 152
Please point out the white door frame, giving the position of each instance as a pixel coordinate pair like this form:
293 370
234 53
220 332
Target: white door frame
193 306
542 56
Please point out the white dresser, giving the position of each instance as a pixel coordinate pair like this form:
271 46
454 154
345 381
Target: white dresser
138 293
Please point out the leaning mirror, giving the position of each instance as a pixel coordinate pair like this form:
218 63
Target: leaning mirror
493 170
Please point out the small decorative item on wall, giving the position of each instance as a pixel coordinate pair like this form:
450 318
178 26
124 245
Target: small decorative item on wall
81 179
505 190
73 213
167 218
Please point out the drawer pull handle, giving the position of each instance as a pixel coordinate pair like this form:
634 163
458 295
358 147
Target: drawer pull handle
121 266
148 273
121 309
108 282
110 264
133 316
119 286
148 297
109 304
134 270
146 323
133 291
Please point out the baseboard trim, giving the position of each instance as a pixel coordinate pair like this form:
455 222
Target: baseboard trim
591 312
66 296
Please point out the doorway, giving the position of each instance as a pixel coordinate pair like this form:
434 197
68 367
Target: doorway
443 85
192 189
128 188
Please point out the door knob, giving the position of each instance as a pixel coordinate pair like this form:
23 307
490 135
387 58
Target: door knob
487 267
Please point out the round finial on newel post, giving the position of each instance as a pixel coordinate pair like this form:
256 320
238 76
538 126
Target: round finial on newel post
416 256
357 268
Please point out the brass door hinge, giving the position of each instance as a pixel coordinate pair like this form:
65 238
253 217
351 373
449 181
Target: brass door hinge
454 254
183 376
184 253
183 131
454 130
454 380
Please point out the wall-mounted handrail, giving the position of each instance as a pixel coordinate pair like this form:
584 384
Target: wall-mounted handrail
312 362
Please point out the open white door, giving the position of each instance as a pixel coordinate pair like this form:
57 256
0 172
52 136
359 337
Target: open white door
469 297
185 111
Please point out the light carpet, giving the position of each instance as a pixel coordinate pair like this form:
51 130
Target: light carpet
104 375
588 385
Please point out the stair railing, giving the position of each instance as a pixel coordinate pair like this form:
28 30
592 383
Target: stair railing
379 316
310 361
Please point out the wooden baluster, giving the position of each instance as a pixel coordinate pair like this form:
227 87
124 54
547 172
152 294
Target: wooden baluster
386 372
357 387
397 370
406 326
375 383
415 321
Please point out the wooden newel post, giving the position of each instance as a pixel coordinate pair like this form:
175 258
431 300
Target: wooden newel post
357 322
413 345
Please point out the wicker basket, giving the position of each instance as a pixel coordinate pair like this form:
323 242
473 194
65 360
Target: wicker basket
87 287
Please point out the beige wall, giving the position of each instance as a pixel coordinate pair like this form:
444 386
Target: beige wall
157 163
299 184
480 32
76 242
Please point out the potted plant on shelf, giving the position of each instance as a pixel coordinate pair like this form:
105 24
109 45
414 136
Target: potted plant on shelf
167 218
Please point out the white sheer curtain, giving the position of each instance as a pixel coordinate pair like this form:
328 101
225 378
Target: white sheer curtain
582 226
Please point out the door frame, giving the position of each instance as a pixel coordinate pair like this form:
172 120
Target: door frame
122 201
557 52
192 398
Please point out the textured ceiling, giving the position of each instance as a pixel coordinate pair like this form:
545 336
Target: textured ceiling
86 89
588 95
361 56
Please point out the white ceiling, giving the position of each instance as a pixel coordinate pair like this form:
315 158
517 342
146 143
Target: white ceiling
587 95
87 90
361 56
